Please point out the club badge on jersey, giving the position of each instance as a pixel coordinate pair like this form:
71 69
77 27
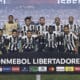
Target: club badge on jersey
69 41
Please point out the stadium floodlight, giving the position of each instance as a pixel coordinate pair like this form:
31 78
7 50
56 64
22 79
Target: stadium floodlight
3 1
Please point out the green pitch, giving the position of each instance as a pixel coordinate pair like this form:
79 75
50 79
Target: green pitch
43 77
60 77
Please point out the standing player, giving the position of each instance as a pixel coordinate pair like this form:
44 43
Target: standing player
73 27
18 24
59 29
70 41
28 26
10 25
57 25
41 27
14 42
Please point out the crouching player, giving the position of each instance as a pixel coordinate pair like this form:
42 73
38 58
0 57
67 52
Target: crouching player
3 43
14 45
28 42
41 42
51 37
70 41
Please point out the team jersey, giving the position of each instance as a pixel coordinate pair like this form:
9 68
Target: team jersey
26 28
40 43
3 42
8 27
69 41
73 28
60 39
59 28
51 39
27 43
41 28
14 43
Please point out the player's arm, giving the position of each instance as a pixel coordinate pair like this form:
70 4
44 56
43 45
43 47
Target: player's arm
76 43
4 28
7 40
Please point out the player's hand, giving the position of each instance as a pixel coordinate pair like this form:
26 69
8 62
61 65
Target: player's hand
76 50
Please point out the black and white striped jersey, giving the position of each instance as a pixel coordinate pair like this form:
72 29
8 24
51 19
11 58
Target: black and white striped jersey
51 39
60 32
14 43
60 39
26 28
41 28
73 28
2 42
69 41
27 43
59 28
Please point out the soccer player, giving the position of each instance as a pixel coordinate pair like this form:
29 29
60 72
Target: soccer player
3 43
60 43
28 42
51 37
70 41
58 27
10 25
41 27
28 26
40 42
72 26
18 24
14 42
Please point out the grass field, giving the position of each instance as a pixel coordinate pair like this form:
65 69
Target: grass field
43 77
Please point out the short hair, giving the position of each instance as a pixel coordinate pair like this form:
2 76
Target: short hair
66 26
29 31
42 17
14 30
1 30
27 18
57 18
71 17
10 16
